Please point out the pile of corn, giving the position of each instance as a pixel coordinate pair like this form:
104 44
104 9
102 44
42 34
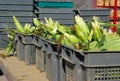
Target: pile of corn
90 36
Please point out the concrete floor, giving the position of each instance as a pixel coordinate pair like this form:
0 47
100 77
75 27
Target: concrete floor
16 70
3 78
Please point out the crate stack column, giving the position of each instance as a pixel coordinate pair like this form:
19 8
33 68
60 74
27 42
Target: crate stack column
22 9
62 12
58 11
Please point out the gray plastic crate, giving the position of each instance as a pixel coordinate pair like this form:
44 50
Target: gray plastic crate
89 66
54 4
68 66
44 47
30 54
20 49
65 16
51 67
27 39
37 41
22 2
51 61
103 58
68 71
17 7
103 73
3 43
15 44
6 19
87 15
40 54
16 13
102 66
51 47
40 58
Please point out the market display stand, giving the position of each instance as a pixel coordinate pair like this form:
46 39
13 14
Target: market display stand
114 6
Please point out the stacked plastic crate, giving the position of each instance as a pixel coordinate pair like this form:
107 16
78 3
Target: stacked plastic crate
22 9
40 52
76 65
62 12
19 48
87 15
29 49
59 11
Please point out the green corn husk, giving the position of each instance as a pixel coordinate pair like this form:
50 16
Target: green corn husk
112 44
81 35
18 25
8 48
82 26
36 22
27 28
